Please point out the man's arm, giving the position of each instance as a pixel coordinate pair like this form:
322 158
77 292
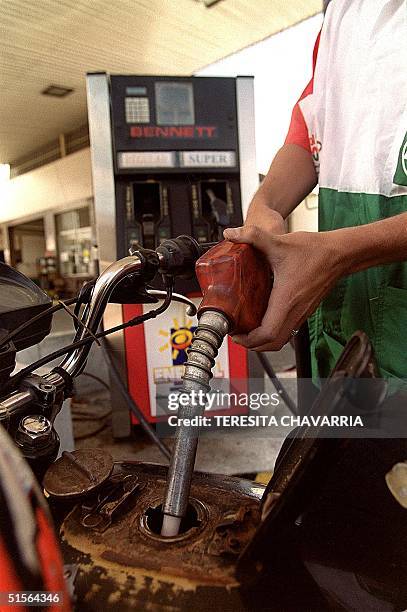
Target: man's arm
371 245
306 265
290 179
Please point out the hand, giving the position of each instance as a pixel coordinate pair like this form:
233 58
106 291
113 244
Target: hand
305 266
261 219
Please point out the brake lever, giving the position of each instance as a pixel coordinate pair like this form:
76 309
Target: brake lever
176 297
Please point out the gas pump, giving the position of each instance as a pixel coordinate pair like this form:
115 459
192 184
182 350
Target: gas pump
170 156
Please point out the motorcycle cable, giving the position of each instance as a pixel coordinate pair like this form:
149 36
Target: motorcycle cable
6 339
132 406
83 299
277 384
91 338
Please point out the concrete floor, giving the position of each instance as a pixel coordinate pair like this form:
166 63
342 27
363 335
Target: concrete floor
230 453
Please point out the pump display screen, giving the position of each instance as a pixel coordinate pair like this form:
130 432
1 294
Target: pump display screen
174 103
155 119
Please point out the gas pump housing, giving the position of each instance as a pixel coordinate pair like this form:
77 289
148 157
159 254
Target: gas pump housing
170 156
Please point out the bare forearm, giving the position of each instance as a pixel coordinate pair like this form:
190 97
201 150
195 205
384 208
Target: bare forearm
290 179
370 245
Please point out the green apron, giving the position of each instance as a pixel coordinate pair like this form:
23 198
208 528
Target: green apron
374 300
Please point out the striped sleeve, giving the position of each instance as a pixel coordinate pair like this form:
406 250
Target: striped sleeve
298 131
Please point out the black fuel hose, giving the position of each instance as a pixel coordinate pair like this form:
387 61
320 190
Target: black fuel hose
277 383
132 406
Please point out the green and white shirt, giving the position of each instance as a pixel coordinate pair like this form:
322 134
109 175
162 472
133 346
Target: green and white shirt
352 117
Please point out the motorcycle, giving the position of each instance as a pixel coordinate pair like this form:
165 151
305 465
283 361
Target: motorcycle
241 545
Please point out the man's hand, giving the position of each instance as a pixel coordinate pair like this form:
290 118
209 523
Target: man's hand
305 266
261 219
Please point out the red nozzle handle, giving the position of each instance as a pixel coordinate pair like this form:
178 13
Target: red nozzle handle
235 279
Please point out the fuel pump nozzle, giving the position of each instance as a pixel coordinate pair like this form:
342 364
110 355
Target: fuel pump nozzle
220 212
235 280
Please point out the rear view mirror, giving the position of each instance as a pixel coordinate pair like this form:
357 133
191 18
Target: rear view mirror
20 300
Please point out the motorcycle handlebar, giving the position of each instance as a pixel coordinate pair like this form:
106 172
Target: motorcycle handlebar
172 257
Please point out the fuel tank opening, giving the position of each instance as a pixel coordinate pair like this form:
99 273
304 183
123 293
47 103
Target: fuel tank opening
193 521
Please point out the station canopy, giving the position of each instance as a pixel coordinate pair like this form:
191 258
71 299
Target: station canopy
56 42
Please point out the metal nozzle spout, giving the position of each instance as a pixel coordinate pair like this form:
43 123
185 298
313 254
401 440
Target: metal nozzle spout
212 328
171 525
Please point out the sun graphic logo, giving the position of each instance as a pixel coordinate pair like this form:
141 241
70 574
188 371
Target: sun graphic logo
179 340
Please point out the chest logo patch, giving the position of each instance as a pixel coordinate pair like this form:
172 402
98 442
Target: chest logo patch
400 177
315 146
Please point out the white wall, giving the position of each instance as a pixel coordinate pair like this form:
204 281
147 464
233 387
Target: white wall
281 66
53 186
305 216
